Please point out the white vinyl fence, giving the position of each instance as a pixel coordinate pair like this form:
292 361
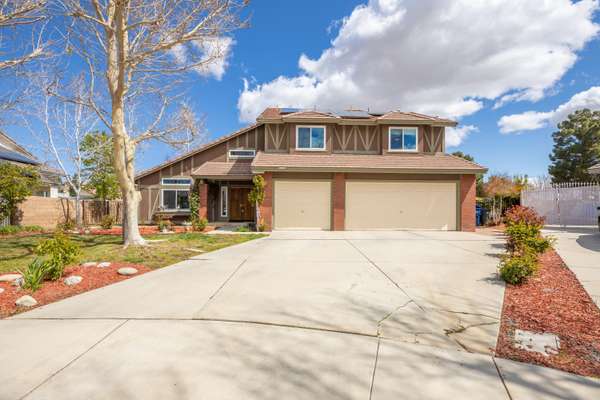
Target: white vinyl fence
4 221
565 204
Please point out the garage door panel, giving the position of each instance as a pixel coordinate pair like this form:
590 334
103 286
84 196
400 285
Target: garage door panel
400 205
302 204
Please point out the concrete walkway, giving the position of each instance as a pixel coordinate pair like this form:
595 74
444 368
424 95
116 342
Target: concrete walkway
298 315
579 247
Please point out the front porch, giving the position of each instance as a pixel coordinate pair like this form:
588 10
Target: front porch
223 192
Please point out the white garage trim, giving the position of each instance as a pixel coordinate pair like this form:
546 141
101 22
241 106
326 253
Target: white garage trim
302 204
394 205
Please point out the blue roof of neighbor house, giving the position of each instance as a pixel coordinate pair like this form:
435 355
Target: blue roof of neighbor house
10 155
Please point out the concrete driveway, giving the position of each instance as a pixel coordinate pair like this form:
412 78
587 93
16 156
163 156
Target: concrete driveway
298 315
579 247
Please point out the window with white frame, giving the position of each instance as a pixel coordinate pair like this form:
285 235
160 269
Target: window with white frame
177 181
224 201
242 153
310 138
403 139
175 200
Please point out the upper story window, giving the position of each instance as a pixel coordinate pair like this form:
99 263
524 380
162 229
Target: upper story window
177 181
310 138
242 153
403 139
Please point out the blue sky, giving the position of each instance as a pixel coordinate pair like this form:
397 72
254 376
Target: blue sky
472 63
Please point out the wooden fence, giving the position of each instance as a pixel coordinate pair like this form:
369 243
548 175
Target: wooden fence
572 203
47 212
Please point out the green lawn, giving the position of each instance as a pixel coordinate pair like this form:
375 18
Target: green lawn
17 252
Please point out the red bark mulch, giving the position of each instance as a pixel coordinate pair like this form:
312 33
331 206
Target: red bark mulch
553 301
51 291
144 230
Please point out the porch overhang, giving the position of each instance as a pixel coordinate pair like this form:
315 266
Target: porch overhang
224 171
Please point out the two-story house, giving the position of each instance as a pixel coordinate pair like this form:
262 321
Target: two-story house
347 170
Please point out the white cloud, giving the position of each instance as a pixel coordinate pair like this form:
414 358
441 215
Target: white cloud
438 57
212 55
531 120
455 136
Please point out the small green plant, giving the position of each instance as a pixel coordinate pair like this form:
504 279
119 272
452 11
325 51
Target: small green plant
107 221
257 196
67 225
59 252
242 229
34 274
261 226
164 225
514 269
199 224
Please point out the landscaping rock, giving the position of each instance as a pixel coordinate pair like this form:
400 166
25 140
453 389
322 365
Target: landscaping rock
26 301
89 264
1 290
9 277
127 271
19 282
546 344
103 265
73 280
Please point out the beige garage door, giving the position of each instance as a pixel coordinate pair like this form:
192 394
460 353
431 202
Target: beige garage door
302 204
400 205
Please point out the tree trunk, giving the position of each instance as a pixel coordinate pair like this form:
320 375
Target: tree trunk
78 221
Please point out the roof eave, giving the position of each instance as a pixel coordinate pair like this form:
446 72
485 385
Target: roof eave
281 168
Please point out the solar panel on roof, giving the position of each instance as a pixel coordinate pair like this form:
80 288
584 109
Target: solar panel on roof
288 110
352 114
14 156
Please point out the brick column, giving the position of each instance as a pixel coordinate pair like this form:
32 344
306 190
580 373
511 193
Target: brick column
467 203
266 208
339 201
203 200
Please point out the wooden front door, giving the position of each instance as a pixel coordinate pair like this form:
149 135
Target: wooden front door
240 208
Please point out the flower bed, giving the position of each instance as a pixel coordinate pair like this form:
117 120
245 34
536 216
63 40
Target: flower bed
553 301
51 291
144 230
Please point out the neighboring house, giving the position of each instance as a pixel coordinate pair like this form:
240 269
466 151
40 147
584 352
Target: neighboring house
595 169
11 151
347 170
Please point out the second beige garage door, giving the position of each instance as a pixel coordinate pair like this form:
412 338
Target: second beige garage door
302 204
400 205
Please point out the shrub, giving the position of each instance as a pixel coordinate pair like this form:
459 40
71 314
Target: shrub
60 251
67 225
515 269
523 215
107 221
34 274
242 229
199 224
164 225
9 229
12 229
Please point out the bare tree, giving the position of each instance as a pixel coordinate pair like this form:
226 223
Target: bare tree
61 122
141 49
15 14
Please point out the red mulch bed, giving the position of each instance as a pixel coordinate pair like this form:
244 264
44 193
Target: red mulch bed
144 230
51 291
553 301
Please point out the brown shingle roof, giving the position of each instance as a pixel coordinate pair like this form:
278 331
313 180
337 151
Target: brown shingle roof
431 163
274 113
225 169
200 149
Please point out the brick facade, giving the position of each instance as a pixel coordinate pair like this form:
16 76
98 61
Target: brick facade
339 201
467 203
203 200
266 208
